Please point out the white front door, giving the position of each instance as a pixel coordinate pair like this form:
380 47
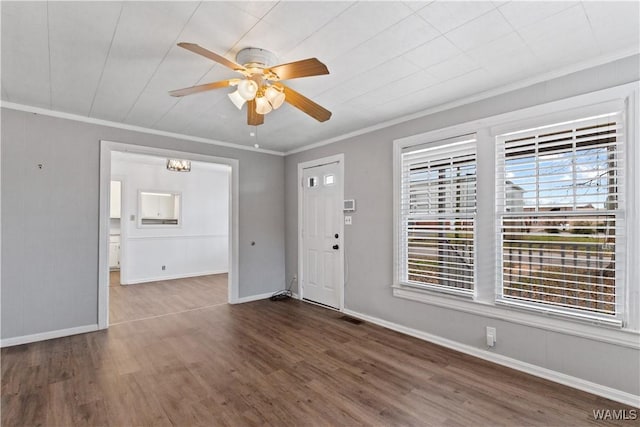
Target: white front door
321 276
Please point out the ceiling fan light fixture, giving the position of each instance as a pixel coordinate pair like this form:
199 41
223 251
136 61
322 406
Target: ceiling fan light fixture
260 82
237 99
275 97
247 89
262 105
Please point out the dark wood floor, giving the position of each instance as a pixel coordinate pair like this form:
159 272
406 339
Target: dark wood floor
144 300
271 363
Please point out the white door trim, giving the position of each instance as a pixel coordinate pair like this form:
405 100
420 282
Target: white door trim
338 158
106 147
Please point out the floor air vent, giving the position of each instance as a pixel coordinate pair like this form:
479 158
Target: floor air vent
351 320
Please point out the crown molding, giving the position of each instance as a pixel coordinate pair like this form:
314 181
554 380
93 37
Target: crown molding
119 125
601 60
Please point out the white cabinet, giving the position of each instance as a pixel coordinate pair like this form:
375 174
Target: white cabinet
116 191
158 208
114 251
167 207
154 205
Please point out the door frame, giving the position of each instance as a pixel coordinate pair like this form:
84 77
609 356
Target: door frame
337 158
106 148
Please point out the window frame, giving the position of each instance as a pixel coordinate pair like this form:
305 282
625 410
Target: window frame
620 249
484 302
469 144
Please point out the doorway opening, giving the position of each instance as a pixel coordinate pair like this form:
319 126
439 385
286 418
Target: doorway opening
171 244
115 215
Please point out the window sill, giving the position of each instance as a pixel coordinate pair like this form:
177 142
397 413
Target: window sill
594 331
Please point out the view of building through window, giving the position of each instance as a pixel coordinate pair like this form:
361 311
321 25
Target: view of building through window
561 205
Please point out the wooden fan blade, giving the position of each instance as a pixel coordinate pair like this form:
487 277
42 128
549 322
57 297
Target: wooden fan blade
253 118
306 105
211 55
201 88
305 68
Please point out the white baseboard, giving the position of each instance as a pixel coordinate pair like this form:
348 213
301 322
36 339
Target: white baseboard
252 298
174 276
558 377
25 339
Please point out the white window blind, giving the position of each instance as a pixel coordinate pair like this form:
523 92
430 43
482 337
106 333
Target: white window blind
560 217
437 215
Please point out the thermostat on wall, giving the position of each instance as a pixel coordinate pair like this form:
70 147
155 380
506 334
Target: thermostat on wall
349 205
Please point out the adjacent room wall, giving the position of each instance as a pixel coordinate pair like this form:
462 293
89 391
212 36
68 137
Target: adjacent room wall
50 219
369 241
199 245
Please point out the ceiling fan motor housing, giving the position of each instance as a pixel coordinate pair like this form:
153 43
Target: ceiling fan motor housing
253 57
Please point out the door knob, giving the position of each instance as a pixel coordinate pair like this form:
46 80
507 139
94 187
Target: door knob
336 247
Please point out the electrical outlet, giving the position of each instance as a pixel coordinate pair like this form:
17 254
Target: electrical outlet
491 337
348 220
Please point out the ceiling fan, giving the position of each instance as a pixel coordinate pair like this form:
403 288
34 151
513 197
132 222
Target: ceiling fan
261 86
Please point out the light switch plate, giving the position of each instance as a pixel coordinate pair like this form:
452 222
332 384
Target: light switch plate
347 220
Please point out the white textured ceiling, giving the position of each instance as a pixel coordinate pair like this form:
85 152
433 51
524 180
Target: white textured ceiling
117 60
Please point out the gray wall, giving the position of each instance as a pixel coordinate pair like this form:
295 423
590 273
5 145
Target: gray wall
50 219
368 179
49 262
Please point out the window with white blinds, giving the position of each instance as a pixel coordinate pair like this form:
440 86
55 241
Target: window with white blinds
437 215
560 211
